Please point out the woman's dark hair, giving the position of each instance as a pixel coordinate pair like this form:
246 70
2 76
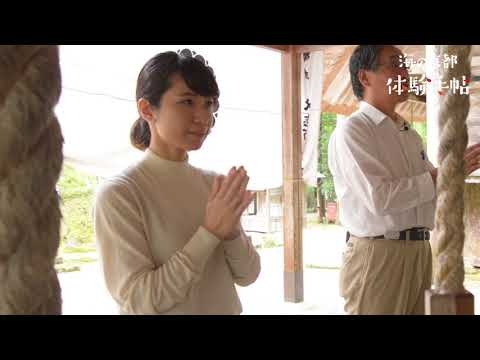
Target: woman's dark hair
364 57
154 80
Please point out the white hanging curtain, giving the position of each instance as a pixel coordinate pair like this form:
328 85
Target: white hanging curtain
312 89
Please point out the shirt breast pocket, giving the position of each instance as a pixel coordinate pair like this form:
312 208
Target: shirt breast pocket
419 156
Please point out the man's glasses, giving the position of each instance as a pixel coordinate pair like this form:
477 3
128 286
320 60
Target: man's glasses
396 63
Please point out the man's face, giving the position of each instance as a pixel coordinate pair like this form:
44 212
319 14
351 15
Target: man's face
388 68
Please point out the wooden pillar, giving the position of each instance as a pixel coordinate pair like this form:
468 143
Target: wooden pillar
449 304
472 222
432 104
472 187
292 177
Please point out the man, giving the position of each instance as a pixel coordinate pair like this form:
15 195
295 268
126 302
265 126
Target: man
386 188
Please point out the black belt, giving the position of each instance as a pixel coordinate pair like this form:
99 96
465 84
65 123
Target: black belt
409 234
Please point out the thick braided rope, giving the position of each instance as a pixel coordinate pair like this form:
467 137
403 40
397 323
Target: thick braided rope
449 225
30 163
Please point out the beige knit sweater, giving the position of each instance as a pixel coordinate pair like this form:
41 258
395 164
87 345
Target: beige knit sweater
156 256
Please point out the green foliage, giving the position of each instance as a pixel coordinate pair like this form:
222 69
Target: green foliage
272 240
421 128
81 249
328 123
76 191
311 196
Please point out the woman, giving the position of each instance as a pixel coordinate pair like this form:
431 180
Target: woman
169 234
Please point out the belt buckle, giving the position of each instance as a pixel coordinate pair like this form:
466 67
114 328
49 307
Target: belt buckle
421 234
394 235
424 234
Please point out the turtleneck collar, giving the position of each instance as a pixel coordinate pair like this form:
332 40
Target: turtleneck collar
155 162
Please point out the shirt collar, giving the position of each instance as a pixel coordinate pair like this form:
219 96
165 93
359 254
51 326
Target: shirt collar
377 116
372 112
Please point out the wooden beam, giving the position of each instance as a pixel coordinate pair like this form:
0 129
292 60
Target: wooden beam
280 48
475 50
292 178
298 49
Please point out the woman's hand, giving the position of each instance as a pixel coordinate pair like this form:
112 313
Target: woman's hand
228 200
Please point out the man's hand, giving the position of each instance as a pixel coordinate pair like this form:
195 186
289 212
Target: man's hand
472 161
434 173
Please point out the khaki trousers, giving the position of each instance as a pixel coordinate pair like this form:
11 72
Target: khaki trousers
385 277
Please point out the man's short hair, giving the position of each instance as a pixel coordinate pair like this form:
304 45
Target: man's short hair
364 57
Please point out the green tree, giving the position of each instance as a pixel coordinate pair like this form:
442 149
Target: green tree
76 191
421 128
328 123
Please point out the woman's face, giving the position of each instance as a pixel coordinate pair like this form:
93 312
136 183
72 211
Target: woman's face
183 120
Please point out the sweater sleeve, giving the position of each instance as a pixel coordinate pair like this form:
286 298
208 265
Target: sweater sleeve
132 278
240 254
242 258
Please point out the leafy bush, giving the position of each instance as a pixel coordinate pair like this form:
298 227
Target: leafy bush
76 191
